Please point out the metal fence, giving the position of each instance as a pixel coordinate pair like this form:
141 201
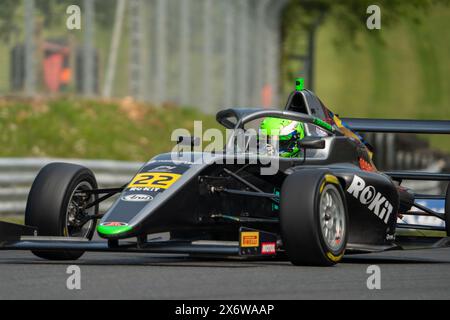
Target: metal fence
17 175
204 53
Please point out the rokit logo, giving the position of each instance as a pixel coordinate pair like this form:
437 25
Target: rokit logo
145 189
137 197
369 196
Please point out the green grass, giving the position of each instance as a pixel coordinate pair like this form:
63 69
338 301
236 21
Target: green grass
121 130
13 219
420 233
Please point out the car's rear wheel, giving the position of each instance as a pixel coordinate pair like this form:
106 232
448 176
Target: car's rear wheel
313 218
56 204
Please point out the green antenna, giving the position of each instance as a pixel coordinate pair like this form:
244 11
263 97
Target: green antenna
299 84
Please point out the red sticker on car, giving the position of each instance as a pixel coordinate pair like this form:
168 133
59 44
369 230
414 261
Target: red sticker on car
114 224
268 248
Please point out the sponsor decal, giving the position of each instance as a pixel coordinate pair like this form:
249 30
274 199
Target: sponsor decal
145 189
370 197
137 197
249 239
114 224
161 180
366 166
164 168
268 248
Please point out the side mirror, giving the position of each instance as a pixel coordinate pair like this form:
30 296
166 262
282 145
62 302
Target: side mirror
311 143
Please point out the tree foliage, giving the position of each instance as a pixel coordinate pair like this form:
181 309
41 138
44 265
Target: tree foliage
7 18
351 14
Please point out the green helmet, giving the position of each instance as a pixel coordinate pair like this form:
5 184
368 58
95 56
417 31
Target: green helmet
288 132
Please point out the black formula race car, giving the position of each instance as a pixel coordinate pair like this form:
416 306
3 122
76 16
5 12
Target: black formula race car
312 209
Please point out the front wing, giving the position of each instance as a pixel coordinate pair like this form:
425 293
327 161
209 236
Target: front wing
252 243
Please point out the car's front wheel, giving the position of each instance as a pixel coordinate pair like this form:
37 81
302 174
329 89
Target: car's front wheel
313 218
56 205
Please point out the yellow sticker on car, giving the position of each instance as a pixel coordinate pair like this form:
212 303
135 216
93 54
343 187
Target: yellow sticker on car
249 239
160 180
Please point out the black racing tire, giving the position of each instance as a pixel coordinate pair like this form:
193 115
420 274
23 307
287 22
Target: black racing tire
447 210
48 205
302 193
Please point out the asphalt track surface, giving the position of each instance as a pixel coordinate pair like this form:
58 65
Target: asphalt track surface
422 274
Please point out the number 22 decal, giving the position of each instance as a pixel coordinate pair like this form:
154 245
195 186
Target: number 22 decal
154 180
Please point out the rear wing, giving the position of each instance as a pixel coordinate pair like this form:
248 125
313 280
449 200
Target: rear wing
403 126
398 125
417 127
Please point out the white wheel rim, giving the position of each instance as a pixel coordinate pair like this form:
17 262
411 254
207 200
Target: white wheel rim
332 218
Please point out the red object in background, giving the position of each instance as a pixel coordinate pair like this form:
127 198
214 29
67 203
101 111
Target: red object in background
66 75
267 96
52 71
57 73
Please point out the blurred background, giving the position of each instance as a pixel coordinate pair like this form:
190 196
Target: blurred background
136 69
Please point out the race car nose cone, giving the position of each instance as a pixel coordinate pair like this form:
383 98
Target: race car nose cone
112 228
